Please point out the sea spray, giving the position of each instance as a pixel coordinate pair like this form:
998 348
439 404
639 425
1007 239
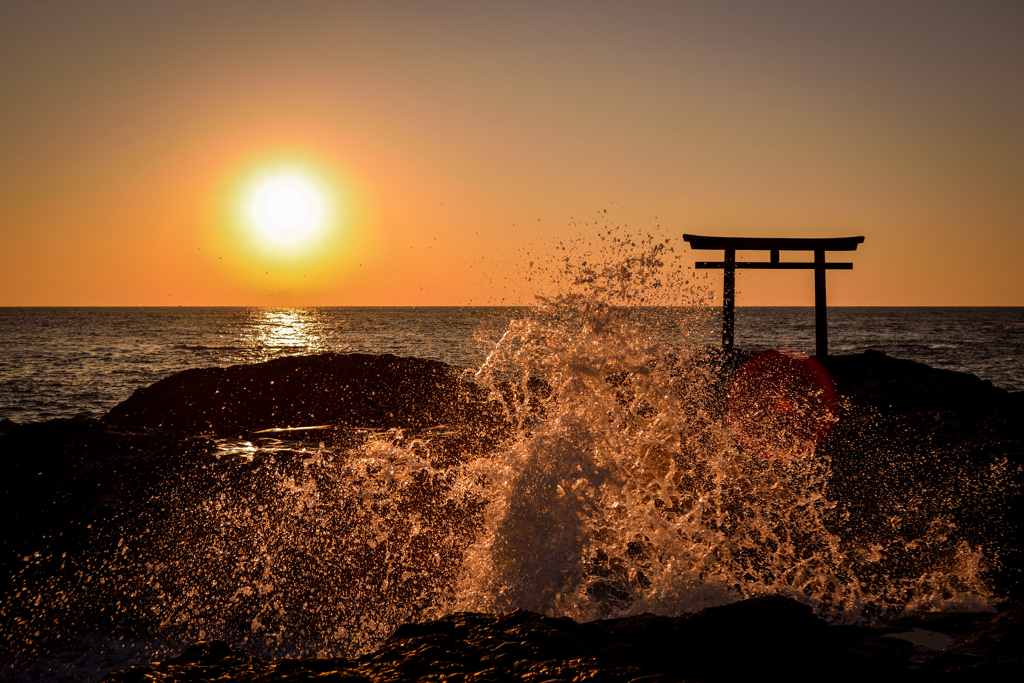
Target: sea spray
631 494
616 488
315 550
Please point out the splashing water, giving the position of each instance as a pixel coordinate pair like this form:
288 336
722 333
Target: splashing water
630 495
618 489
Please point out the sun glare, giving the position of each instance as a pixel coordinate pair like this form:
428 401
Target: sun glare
286 208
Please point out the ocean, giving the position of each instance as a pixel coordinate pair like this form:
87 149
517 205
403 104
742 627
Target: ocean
60 362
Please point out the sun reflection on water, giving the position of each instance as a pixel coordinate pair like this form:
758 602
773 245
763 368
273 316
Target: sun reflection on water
275 332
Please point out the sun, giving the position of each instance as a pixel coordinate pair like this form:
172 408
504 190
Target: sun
286 207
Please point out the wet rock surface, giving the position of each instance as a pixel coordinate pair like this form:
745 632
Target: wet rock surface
770 636
953 439
356 390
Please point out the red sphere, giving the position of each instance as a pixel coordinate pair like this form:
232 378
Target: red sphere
781 404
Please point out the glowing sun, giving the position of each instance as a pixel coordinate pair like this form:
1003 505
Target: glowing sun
286 208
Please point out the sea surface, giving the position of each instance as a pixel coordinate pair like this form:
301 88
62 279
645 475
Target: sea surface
60 362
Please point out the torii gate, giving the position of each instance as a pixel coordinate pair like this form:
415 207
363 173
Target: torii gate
775 245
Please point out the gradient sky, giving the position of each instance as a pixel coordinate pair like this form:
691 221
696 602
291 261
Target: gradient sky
454 137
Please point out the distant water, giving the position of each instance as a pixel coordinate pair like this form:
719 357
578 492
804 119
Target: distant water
985 341
58 362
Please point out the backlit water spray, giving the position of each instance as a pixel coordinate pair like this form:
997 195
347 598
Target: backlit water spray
617 488
629 492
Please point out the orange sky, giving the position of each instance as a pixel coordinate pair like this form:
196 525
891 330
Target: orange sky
454 136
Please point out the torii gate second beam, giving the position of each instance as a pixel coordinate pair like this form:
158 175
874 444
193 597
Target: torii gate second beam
774 245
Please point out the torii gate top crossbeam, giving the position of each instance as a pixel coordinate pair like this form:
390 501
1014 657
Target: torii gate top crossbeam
730 245
773 243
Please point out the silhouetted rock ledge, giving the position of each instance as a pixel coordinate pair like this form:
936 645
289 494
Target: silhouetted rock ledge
337 389
756 639
947 433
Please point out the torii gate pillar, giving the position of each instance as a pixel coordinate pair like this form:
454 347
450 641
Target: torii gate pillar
774 245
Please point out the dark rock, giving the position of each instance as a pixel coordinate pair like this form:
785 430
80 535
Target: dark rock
904 386
1001 638
948 445
73 491
753 639
216 660
357 390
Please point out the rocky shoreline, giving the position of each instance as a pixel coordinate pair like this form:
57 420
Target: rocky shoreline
735 642
76 489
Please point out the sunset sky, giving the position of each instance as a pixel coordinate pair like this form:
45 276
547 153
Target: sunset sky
441 141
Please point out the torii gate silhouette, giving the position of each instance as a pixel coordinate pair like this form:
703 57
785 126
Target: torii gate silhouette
774 245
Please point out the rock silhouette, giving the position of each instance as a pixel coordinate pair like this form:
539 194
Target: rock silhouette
951 436
747 640
356 390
